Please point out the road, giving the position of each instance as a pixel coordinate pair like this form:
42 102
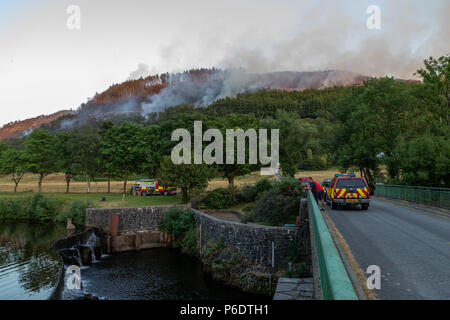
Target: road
411 247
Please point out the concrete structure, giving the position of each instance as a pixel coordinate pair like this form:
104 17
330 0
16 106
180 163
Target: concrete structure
294 289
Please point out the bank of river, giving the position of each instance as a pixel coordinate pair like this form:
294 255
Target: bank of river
28 266
153 274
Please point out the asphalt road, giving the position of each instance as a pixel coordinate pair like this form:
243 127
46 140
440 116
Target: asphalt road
412 248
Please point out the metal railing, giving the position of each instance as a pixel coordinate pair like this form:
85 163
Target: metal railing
334 280
438 197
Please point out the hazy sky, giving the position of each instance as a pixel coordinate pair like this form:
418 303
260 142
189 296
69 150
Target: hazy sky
46 67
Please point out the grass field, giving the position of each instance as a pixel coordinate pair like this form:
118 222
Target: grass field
55 183
112 200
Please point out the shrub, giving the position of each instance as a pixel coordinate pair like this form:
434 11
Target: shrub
263 186
249 193
76 211
279 205
217 199
41 207
181 224
10 209
222 198
189 243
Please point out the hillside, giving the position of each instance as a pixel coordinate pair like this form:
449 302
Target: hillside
198 87
20 128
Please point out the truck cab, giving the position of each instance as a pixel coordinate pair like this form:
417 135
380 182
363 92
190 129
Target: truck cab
348 190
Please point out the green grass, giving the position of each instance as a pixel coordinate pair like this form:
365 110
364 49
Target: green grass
112 200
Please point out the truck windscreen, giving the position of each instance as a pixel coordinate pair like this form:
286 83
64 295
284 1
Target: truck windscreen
356 183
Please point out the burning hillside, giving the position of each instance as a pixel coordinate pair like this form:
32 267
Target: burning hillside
20 128
198 87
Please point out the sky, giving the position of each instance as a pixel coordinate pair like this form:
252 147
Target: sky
45 66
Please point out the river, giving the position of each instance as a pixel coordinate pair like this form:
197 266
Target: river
153 274
29 269
28 266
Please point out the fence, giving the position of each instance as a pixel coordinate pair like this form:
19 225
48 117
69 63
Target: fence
76 187
334 280
438 197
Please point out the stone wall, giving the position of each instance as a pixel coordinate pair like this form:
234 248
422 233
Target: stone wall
130 219
254 242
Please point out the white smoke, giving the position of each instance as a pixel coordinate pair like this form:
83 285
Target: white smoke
186 90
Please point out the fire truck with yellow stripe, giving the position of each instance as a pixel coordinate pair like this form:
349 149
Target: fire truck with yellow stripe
348 190
146 187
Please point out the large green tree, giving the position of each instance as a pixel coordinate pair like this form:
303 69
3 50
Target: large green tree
371 118
124 149
234 122
86 145
67 156
40 154
12 162
187 177
435 91
299 142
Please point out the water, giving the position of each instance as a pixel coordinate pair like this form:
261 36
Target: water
29 269
154 274
28 266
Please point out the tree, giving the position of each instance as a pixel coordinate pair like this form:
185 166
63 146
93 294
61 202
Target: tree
40 154
67 147
104 165
425 160
3 148
372 117
124 149
235 122
86 144
299 142
12 162
188 177
152 151
435 91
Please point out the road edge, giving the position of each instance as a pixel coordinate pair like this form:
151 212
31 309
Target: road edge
354 271
435 211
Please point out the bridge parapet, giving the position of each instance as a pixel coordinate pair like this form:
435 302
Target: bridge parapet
335 283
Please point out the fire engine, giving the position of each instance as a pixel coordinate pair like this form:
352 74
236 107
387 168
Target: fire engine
146 187
347 189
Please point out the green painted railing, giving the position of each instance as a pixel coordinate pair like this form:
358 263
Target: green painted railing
334 280
438 197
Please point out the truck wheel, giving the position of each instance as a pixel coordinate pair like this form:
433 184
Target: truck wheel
165 193
144 193
364 206
333 205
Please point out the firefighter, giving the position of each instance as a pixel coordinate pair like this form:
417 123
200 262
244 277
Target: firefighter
317 192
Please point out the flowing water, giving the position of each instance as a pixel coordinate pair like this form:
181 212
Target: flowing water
29 269
28 266
153 274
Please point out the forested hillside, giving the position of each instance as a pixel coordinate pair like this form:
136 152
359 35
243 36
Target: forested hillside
384 124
